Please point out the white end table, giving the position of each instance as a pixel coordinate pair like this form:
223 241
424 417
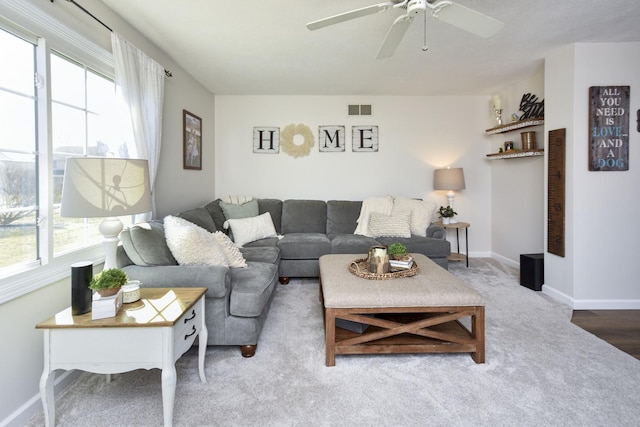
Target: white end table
150 333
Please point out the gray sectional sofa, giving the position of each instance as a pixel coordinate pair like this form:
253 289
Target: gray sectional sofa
238 299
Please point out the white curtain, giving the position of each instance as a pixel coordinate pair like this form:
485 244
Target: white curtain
140 81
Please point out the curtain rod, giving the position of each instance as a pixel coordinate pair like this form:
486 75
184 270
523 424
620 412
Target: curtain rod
167 73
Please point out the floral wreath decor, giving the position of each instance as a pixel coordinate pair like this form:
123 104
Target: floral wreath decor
290 147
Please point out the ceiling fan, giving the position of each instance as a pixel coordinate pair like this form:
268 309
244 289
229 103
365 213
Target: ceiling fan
444 10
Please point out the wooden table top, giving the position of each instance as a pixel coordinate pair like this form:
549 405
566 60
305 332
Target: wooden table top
157 307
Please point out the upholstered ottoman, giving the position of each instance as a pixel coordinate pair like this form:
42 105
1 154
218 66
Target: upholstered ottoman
418 314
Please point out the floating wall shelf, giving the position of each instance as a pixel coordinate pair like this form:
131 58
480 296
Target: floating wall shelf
521 124
513 154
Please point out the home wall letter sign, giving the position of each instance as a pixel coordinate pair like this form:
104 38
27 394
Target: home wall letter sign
609 128
364 139
331 138
266 140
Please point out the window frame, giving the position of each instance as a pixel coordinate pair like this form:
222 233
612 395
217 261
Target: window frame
27 21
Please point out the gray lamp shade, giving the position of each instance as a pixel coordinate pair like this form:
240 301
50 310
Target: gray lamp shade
105 187
448 179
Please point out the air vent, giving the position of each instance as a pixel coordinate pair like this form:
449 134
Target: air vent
359 110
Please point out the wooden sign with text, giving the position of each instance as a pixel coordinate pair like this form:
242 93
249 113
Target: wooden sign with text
609 128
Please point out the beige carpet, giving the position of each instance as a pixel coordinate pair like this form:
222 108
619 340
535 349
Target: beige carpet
540 370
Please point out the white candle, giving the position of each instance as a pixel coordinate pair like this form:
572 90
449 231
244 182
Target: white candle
497 103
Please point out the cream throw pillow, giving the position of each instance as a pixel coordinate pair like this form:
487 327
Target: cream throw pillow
192 245
381 225
231 253
373 204
422 213
248 230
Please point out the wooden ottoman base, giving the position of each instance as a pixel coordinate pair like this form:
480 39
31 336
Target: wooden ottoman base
406 330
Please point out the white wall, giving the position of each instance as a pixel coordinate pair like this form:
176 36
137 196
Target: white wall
417 135
21 358
517 208
599 270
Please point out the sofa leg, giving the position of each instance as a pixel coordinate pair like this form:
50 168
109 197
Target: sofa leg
248 350
284 280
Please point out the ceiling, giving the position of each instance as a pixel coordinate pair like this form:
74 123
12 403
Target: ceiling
257 47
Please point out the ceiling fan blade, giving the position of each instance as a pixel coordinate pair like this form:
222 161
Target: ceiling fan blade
466 19
364 11
395 35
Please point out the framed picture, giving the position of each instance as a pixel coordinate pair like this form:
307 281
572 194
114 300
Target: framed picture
192 141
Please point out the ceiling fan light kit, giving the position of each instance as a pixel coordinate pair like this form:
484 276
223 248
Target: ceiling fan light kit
447 11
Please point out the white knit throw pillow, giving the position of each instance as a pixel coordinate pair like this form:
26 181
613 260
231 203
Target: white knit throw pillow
246 230
231 252
422 213
191 244
381 225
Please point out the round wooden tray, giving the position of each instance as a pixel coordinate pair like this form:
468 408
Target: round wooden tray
360 269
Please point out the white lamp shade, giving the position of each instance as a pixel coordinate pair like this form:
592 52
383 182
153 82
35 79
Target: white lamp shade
105 187
448 179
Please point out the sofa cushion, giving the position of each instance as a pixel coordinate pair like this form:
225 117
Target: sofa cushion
191 244
216 213
274 207
304 216
266 254
351 244
268 242
251 288
342 216
390 225
200 217
145 244
231 253
422 213
247 230
433 248
304 245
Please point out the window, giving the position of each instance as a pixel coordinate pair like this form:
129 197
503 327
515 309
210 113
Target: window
18 161
81 106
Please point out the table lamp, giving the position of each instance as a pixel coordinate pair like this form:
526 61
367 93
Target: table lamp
449 179
106 188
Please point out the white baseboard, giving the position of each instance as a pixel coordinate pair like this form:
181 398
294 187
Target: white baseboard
505 260
21 415
591 304
558 296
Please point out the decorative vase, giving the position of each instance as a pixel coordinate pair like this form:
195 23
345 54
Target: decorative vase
378 260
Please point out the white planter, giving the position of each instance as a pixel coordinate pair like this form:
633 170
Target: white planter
446 220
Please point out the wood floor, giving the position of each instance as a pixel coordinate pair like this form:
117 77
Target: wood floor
620 328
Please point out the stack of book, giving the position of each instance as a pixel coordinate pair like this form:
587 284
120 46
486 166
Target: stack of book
404 264
103 307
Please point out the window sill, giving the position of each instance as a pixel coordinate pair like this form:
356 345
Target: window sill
31 280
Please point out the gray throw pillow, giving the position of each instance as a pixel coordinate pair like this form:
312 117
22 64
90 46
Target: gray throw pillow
146 245
245 210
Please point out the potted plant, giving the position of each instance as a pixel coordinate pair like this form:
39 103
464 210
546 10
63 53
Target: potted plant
446 214
108 282
397 251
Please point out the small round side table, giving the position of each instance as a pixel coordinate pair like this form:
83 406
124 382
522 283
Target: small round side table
457 226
